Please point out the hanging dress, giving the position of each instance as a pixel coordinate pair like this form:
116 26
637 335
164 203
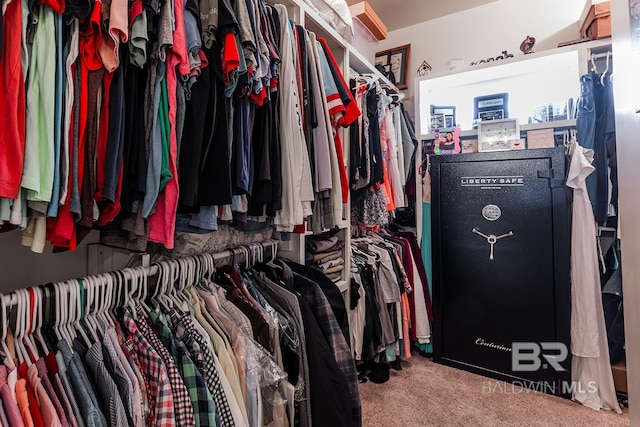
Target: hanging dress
590 367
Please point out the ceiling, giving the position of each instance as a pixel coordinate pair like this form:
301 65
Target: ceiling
403 13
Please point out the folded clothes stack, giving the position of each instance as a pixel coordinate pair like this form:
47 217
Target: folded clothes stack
324 253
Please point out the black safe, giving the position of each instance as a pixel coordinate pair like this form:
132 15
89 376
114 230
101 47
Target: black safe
501 243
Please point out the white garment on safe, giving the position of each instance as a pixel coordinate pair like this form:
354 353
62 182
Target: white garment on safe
591 369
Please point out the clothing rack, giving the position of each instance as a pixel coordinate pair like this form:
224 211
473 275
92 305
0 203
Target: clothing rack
597 56
371 78
247 255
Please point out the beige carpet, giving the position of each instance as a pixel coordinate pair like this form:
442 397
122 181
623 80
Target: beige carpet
428 394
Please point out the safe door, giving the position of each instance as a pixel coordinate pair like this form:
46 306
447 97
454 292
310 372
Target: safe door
500 243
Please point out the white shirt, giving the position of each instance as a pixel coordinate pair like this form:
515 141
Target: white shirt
591 369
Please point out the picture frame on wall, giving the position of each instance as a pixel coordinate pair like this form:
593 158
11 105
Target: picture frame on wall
396 62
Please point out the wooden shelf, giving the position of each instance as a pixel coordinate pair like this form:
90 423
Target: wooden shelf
558 124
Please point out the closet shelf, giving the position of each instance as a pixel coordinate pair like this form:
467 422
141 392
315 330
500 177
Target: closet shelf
314 22
359 64
558 124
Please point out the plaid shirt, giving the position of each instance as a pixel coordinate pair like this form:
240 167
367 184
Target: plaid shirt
156 376
127 348
203 359
311 293
204 409
181 400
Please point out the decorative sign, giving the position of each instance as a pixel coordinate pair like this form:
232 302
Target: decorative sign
542 138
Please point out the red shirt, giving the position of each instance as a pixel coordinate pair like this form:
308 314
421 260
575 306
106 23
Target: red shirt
162 224
352 111
34 409
230 56
12 104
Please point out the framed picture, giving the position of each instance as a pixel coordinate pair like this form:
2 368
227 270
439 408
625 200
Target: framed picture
443 117
469 146
490 107
396 62
499 135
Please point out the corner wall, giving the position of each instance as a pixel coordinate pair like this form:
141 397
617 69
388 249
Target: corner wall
486 31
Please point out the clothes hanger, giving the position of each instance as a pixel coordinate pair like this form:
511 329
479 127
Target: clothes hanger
70 288
179 277
29 349
77 296
100 291
141 285
604 73
117 298
98 287
63 312
3 334
87 296
21 319
103 289
37 332
57 315
32 312
45 317
593 63
193 267
17 327
131 286
110 297
165 286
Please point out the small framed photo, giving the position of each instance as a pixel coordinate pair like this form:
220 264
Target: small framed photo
396 62
469 146
443 117
490 107
499 135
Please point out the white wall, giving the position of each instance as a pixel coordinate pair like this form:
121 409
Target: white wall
627 96
485 32
21 268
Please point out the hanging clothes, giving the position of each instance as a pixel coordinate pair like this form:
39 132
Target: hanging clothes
213 102
589 346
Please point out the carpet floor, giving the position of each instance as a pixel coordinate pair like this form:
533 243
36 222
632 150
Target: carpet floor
424 393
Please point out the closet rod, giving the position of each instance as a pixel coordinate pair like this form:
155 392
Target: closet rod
152 270
595 56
